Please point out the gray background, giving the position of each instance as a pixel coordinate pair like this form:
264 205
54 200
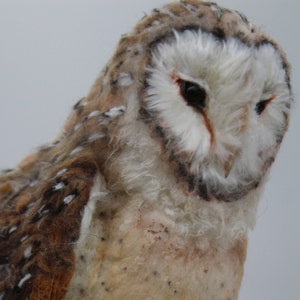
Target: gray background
52 51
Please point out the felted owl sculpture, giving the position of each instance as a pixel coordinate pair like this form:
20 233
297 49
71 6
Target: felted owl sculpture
152 186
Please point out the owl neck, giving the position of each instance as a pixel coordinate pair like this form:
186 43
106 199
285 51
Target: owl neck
140 242
139 169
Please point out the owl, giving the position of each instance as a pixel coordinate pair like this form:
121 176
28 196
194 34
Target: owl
150 189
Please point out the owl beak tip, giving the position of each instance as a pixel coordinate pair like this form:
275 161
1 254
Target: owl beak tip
227 171
229 163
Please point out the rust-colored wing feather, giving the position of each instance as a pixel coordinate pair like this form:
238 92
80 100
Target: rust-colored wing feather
39 226
41 207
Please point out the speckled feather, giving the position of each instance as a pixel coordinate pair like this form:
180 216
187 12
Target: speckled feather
79 217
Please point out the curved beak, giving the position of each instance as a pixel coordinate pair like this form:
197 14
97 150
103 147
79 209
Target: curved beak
228 165
233 150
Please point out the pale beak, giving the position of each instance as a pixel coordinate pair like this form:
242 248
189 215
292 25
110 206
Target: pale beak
228 165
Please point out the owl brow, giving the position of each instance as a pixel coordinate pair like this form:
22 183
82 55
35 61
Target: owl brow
218 33
284 63
160 39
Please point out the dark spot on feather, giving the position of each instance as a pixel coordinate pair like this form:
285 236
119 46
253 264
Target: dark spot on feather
82 291
218 33
113 82
78 107
279 138
55 158
189 6
77 104
102 215
191 27
202 191
159 131
122 52
189 178
82 257
119 64
243 17
54 189
42 212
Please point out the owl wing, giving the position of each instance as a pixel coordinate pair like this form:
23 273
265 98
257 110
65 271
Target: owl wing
41 208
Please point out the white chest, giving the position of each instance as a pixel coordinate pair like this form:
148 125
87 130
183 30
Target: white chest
132 251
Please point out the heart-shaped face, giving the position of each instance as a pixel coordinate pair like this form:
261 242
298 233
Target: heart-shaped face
223 104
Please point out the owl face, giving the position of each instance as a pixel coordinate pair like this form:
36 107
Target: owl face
214 91
223 108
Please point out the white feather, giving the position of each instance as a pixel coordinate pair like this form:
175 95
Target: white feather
96 193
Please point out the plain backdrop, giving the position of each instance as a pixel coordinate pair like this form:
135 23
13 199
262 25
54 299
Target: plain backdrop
52 51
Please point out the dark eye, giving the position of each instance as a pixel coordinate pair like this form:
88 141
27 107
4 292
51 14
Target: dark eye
193 94
262 104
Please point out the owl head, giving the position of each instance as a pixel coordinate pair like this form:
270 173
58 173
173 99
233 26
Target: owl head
213 90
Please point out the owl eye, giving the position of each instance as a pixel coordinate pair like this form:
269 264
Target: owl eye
193 94
262 104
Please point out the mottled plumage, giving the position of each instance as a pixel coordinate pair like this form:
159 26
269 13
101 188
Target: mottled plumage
150 189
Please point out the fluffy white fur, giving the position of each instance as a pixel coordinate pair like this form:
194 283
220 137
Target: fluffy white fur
145 175
236 77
